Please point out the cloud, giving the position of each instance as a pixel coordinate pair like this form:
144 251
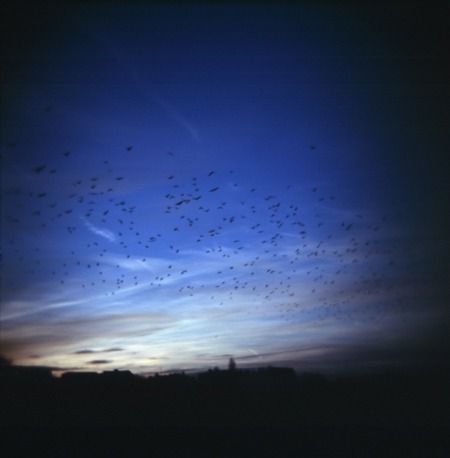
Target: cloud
100 361
105 233
177 116
117 50
88 352
13 310
135 263
56 342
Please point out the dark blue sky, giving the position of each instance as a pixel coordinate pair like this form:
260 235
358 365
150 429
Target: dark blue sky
186 183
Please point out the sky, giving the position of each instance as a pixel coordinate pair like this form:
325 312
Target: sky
185 183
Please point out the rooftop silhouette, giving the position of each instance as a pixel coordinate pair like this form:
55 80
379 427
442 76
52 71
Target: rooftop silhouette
267 411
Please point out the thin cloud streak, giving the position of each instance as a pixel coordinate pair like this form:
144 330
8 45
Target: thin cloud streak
105 233
117 50
177 116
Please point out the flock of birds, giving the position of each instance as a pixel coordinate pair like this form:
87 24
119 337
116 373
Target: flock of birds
209 236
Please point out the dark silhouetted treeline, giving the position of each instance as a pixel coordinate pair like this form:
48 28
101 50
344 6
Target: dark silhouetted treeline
266 412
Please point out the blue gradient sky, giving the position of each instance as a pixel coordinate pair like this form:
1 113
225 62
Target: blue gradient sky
188 183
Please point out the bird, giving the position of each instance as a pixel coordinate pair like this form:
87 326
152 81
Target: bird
39 168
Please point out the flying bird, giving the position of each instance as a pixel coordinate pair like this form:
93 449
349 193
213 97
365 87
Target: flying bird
39 168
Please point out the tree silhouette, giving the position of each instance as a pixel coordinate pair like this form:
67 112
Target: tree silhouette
231 364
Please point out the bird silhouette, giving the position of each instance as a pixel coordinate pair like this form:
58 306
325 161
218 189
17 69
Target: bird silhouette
39 168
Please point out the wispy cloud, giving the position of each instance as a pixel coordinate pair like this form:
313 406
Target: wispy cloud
118 51
102 232
177 116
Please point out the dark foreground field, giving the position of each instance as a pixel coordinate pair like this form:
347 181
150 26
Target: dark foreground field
225 414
